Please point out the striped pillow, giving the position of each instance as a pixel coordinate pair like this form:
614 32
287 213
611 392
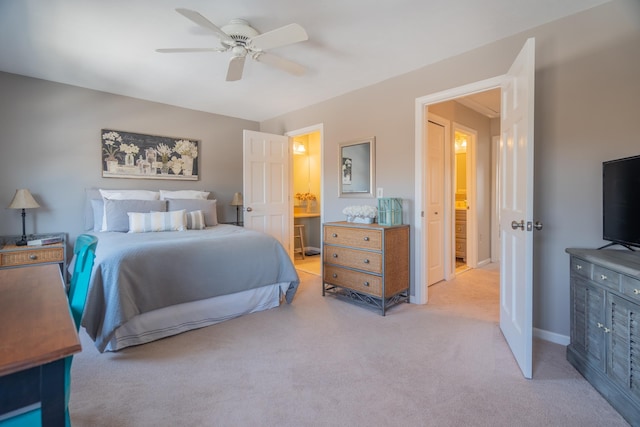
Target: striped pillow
195 220
156 221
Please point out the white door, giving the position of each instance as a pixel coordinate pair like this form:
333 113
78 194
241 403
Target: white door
516 207
435 202
266 184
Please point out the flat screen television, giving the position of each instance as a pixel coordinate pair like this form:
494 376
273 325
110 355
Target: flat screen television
621 202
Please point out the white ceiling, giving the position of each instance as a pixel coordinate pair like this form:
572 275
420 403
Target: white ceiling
110 45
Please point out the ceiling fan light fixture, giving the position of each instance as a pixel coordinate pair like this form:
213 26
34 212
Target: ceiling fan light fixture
242 40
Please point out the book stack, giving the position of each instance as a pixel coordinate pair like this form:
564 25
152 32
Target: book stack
45 240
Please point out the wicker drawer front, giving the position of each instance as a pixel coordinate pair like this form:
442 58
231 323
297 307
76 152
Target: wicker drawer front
360 282
631 287
32 257
362 260
357 237
606 277
581 267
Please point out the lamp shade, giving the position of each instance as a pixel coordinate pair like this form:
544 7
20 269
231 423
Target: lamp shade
237 199
23 200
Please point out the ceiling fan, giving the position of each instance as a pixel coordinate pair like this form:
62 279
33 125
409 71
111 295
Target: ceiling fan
242 40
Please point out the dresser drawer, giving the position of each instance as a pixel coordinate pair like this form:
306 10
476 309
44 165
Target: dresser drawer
355 280
36 256
362 260
356 237
581 267
630 287
461 229
606 277
461 248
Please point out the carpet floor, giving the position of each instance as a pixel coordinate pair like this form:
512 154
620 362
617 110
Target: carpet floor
325 362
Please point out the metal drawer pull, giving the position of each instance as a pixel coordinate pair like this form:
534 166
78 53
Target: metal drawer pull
603 277
578 267
334 235
33 256
335 255
600 325
366 239
636 291
366 283
335 275
366 261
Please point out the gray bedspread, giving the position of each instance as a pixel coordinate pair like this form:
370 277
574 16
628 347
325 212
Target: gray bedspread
136 273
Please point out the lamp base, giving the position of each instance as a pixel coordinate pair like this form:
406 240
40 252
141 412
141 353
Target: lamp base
21 242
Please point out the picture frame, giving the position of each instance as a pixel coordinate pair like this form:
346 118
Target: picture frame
141 156
357 162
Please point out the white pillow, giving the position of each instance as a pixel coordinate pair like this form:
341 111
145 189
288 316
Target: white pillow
184 194
157 221
130 194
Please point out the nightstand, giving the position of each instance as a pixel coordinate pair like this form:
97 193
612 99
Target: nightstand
12 256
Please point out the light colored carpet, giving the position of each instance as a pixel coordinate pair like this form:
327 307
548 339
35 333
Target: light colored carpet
325 362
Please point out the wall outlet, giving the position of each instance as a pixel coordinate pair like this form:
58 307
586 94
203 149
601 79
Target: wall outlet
379 192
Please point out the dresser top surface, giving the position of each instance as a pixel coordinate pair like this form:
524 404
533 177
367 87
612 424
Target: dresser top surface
358 225
624 261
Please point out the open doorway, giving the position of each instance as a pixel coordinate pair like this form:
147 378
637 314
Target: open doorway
468 178
306 196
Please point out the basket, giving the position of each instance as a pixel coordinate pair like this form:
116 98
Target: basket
389 211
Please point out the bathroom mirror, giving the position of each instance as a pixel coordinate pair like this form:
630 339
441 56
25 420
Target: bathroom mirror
357 168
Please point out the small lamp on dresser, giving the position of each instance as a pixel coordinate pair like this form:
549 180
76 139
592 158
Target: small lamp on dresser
237 202
23 200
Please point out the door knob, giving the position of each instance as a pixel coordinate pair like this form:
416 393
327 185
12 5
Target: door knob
537 225
249 209
515 225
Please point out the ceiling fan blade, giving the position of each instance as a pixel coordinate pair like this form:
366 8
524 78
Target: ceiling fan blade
204 22
190 49
278 62
236 65
292 33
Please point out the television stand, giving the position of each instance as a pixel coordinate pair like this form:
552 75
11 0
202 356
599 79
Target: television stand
613 244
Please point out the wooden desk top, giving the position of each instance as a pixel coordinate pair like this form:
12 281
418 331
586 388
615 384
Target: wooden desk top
35 322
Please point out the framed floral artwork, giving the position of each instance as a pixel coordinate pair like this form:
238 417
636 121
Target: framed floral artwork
135 155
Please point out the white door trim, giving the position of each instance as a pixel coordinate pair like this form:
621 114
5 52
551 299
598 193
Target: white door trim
421 109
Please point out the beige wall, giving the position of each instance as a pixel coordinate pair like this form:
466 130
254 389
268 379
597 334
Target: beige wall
587 103
50 143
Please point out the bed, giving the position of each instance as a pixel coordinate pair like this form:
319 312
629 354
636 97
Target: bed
151 285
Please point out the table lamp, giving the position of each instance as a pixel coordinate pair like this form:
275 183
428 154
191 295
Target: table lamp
237 202
23 200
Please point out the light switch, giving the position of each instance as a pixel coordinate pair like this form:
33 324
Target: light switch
379 192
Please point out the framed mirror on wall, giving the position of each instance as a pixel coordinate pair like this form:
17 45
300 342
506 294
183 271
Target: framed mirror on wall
357 167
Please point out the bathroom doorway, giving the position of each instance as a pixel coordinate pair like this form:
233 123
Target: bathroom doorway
306 173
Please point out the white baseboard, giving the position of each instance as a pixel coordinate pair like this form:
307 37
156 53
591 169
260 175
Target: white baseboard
551 337
484 262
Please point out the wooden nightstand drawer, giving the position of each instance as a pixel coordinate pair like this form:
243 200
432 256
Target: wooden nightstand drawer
14 256
356 237
360 282
35 256
362 260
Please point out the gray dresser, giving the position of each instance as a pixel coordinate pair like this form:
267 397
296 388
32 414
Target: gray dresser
605 325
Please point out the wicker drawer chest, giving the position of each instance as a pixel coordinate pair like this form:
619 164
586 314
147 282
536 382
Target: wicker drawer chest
12 256
366 263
